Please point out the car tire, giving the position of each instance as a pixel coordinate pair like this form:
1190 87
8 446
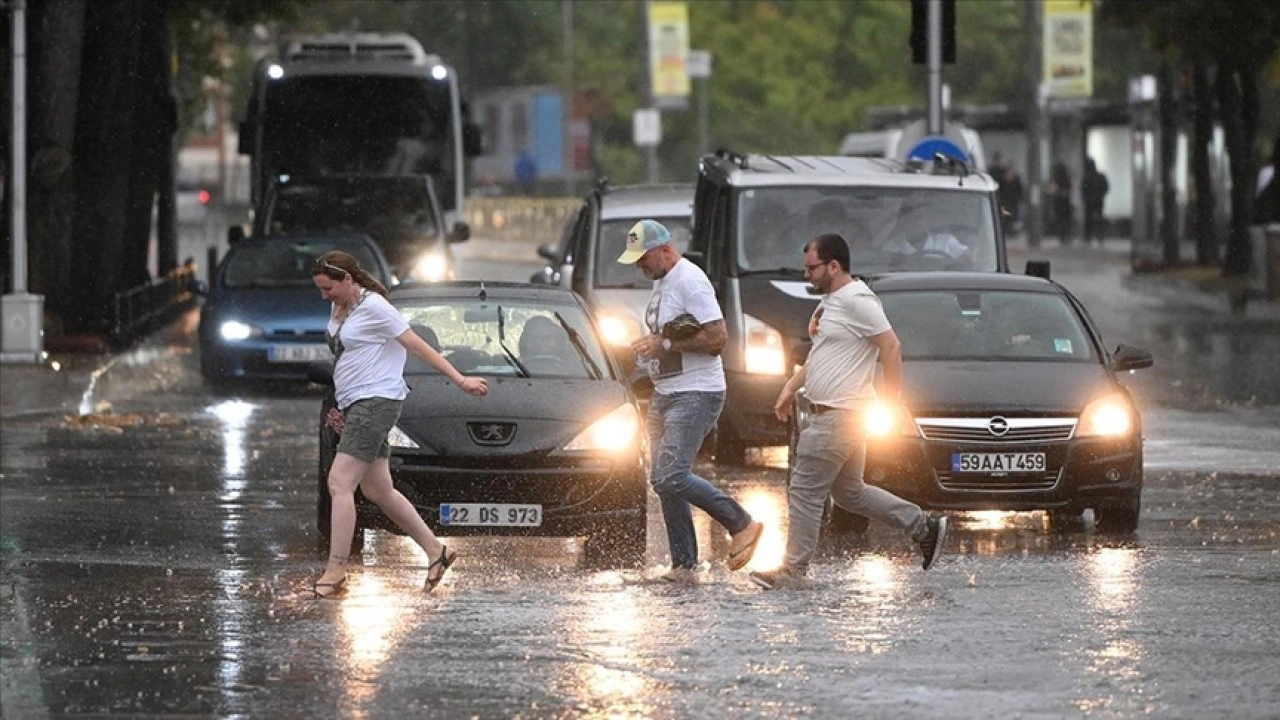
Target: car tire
730 448
617 546
1118 518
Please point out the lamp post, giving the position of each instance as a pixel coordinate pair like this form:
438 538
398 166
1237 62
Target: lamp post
22 314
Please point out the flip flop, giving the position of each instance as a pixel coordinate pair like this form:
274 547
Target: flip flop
326 589
738 558
446 559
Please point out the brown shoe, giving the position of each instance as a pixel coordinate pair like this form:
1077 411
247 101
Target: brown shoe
743 545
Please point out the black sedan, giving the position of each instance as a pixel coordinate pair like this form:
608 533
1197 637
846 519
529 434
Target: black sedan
264 319
555 448
1014 404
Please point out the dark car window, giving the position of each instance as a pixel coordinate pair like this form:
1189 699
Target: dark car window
469 335
887 228
287 263
986 325
379 207
613 238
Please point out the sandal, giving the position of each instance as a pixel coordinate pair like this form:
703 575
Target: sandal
329 588
446 559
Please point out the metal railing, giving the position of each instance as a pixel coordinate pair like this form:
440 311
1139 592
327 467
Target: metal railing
141 309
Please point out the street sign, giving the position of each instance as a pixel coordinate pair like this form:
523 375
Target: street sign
646 127
931 145
698 64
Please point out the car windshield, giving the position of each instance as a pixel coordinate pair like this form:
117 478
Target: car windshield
613 238
887 228
379 208
285 262
471 335
986 325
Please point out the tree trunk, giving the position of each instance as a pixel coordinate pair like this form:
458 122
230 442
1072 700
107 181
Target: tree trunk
1168 109
1232 99
1207 249
57 31
103 150
154 122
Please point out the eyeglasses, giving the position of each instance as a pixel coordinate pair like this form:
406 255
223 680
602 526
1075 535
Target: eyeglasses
815 266
327 267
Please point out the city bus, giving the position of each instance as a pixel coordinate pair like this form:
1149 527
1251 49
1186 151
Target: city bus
358 104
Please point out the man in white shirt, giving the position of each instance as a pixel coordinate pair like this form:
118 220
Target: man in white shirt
849 332
688 380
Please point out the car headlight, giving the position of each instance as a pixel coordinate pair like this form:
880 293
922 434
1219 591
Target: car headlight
236 330
431 267
618 328
616 431
1109 416
396 438
763 353
884 420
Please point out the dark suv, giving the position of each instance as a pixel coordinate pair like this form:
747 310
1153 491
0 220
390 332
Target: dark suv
755 213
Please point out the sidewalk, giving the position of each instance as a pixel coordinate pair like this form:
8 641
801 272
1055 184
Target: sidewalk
72 384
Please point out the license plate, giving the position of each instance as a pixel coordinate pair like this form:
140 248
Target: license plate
298 353
491 514
997 462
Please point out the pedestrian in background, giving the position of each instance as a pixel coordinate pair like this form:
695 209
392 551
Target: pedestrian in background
1060 206
1009 195
1094 187
689 387
849 332
370 340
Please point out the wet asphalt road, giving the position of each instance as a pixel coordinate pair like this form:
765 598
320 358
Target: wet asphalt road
158 561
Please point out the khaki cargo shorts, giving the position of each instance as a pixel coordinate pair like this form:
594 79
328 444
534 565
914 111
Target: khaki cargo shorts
365 426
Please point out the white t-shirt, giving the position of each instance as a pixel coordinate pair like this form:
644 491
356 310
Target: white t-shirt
841 368
683 290
371 364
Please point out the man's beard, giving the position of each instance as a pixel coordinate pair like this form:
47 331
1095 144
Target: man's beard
658 274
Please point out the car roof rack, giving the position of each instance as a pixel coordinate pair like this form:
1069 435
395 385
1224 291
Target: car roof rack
734 157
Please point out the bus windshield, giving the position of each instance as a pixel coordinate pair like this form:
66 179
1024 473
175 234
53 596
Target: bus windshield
366 124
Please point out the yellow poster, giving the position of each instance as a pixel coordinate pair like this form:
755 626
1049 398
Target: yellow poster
1068 48
668 50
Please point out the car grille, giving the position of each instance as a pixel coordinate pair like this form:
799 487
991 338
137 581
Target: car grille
1006 484
1015 430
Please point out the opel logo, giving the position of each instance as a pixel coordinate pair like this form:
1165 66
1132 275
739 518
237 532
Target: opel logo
997 426
491 433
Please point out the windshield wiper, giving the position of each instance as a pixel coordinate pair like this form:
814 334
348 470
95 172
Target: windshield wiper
502 343
576 340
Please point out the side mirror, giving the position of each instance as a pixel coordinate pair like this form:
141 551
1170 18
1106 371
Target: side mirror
472 143
549 251
320 373
1038 268
235 234
1129 357
696 258
460 232
545 276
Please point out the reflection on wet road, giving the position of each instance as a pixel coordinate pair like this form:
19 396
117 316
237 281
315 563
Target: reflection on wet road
163 567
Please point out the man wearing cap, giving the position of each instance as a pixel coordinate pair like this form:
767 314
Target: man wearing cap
688 382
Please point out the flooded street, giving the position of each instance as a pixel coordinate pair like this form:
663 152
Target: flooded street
158 561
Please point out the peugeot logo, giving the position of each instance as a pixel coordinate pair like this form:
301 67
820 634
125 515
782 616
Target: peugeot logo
491 433
997 426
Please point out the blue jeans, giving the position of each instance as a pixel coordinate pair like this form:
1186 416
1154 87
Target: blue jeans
678 423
